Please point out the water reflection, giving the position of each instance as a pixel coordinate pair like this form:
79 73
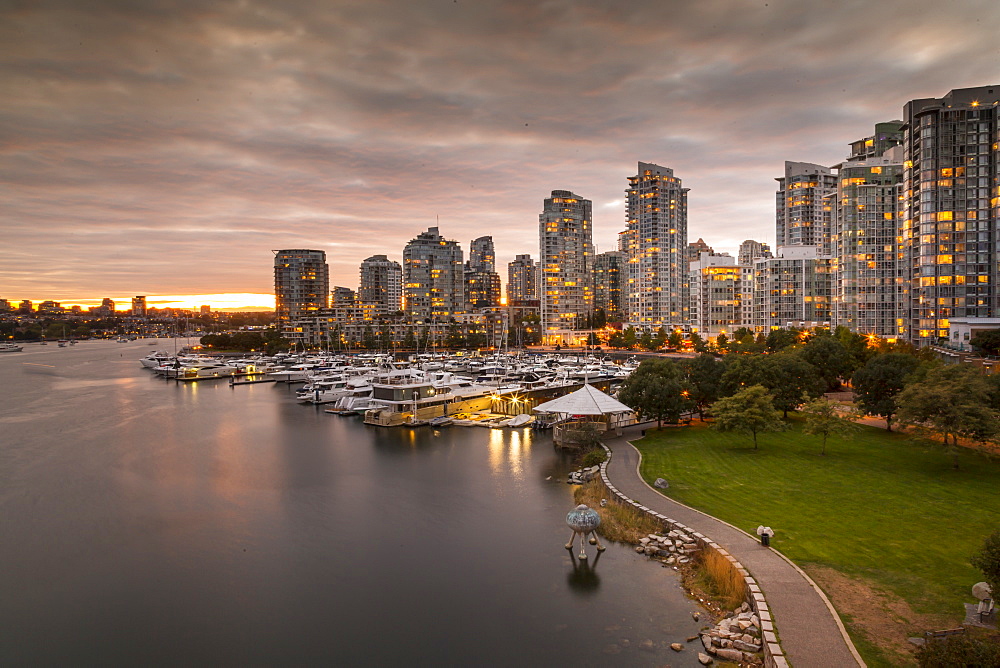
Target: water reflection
508 451
583 579
209 525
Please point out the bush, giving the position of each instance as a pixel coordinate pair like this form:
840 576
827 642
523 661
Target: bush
960 651
988 561
593 458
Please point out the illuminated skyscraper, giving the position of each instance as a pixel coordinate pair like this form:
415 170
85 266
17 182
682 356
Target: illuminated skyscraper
522 279
381 284
433 277
566 251
609 282
714 285
804 213
482 282
868 288
482 256
750 250
139 306
656 242
951 215
301 284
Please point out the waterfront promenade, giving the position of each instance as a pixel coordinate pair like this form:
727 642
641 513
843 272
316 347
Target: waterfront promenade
809 630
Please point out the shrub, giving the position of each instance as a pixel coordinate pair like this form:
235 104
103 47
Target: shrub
988 561
593 458
960 651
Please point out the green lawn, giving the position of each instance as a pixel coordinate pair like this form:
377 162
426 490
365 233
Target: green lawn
883 506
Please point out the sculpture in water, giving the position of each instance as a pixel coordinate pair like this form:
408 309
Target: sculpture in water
584 520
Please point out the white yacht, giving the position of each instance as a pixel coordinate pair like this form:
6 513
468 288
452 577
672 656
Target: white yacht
403 399
10 348
203 371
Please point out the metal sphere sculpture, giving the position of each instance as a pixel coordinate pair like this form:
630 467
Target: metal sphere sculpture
583 520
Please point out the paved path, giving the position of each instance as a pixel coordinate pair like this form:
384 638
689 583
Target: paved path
807 628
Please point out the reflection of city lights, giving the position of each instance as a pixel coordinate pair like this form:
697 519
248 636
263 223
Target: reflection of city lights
496 450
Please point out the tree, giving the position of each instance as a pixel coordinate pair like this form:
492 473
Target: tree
368 339
877 384
410 341
656 390
953 401
698 343
859 347
704 377
749 411
792 380
675 340
629 338
743 371
722 342
987 342
779 339
661 338
830 359
823 419
744 342
987 559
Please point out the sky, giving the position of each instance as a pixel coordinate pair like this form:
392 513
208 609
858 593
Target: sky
167 148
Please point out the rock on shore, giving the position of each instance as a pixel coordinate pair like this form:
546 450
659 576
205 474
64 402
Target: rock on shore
736 637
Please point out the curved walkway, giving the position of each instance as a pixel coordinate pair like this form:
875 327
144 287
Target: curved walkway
809 630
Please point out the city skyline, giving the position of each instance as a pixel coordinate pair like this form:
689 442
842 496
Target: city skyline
168 151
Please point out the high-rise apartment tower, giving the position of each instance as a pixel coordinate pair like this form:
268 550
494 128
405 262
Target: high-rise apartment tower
381 284
655 240
301 284
565 237
951 215
433 277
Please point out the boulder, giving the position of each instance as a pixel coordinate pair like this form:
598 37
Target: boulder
676 646
746 647
660 483
707 642
704 659
729 654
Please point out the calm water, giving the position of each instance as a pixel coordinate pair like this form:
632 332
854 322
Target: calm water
152 522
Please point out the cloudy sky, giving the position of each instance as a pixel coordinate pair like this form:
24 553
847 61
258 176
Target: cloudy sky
168 147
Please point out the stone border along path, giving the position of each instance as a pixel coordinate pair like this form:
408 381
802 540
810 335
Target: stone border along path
778 590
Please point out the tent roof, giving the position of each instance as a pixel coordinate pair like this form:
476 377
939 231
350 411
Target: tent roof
588 400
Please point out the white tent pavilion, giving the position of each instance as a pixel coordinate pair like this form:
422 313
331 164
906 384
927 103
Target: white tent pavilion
581 408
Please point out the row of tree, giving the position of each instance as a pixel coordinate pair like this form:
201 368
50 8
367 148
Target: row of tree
955 401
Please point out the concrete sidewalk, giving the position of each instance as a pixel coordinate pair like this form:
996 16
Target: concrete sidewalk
808 629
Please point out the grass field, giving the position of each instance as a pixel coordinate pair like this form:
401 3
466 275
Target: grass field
885 510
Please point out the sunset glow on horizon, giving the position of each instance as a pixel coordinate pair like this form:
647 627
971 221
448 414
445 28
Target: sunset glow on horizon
223 301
